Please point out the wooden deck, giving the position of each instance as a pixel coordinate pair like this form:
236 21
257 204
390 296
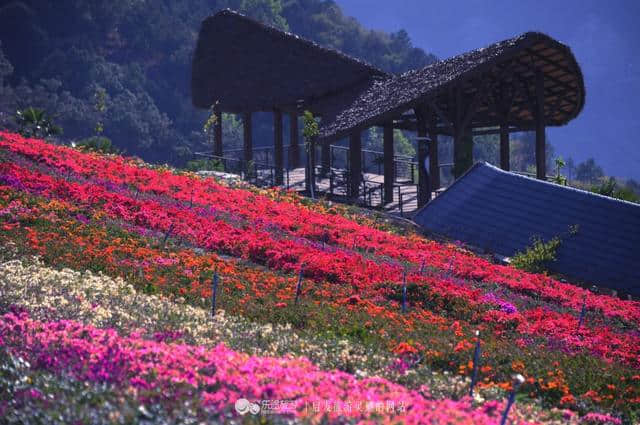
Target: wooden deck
407 191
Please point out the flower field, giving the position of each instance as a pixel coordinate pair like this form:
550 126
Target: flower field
138 322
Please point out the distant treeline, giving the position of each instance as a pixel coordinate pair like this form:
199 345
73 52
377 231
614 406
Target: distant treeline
121 69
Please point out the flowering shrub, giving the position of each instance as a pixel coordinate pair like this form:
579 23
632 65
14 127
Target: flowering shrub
277 211
160 230
219 375
111 303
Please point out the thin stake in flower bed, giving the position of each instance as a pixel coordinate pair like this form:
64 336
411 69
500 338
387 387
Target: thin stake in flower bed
404 292
476 364
422 267
450 272
166 236
214 290
299 285
517 381
583 312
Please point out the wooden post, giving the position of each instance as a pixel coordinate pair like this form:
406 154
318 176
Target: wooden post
458 135
217 135
504 147
389 163
424 191
278 155
248 138
355 164
294 151
325 158
434 164
541 167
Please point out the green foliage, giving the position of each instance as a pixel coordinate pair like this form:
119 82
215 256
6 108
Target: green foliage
211 121
588 171
324 22
536 258
5 67
559 178
205 165
100 105
68 56
97 144
310 127
34 122
610 187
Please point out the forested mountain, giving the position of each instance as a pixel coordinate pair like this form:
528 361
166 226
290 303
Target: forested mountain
122 68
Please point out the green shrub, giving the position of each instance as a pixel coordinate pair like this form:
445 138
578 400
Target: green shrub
536 258
205 165
99 144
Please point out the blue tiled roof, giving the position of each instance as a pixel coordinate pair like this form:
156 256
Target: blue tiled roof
501 212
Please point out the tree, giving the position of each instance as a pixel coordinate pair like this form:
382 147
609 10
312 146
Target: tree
588 171
34 122
559 178
310 132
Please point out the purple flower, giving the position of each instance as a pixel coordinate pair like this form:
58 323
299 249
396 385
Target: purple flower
504 306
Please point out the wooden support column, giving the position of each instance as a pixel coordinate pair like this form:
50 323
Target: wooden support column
389 163
217 135
459 160
504 147
541 166
247 136
424 191
278 155
294 151
325 157
355 164
434 165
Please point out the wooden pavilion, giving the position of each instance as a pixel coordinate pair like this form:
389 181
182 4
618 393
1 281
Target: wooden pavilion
525 83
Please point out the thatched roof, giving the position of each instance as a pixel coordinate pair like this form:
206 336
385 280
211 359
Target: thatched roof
249 66
508 65
245 66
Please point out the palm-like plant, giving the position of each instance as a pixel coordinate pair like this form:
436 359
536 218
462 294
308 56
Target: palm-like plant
36 122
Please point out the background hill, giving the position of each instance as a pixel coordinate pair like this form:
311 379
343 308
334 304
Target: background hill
60 56
121 69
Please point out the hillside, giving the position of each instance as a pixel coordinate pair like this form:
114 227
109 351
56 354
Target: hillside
111 278
63 56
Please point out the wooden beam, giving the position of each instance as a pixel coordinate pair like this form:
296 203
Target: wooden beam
355 164
541 168
217 135
551 62
294 151
389 164
247 136
278 154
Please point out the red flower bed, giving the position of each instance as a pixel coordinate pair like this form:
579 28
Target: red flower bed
254 239
302 222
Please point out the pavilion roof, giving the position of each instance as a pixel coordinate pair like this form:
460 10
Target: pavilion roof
509 66
245 65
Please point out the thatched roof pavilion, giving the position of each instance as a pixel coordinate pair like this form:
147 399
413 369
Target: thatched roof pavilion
245 65
521 84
